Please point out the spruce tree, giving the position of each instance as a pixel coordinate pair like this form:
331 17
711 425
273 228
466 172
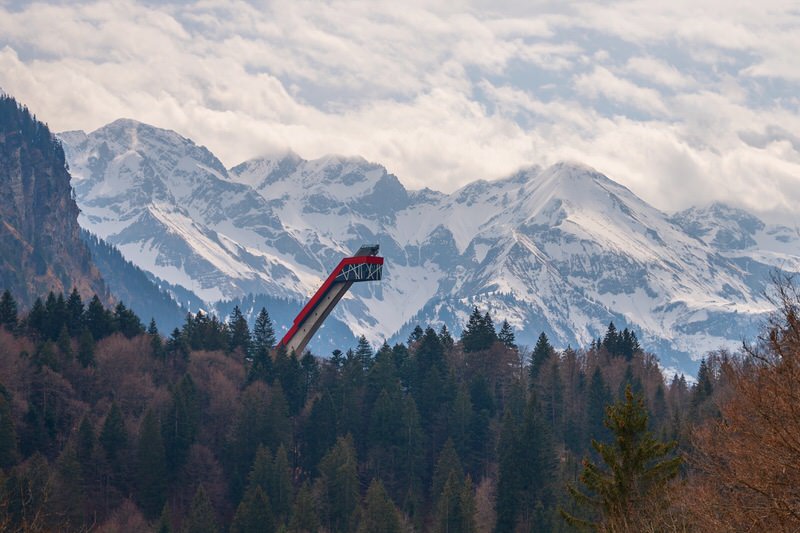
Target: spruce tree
85 445
8 310
597 401
364 353
64 343
74 313
180 423
305 513
704 386
506 336
489 333
202 518
611 340
261 367
126 321
527 466
156 343
280 486
340 493
472 338
239 332
541 354
165 521
8 435
254 514
263 332
445 338
415 335
97 319
37 320
113 435
86 348
380 514
261 472
634 471
151 482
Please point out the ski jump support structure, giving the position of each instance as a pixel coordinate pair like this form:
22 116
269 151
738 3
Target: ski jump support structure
365 265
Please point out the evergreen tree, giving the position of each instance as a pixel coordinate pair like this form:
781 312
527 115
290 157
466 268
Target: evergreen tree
165 522
337 359
527 467
540 356
280 486
611 340
311 374
380 514
8 310
552 396
364 353
151 467
254 514
8 435
202 518
455 509
305 515
292 379
74 313
415 335
97 319
127 322
636 468
113 435
447 465
479 334
704 386
261 473
85 445
488 329
339 476
263 341
177 345
239 332
445 338
180 423
156 343
599 397
506 336
64 343
37 319
55 309
263 332
86 348
470 336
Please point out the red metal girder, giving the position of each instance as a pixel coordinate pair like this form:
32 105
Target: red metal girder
312 303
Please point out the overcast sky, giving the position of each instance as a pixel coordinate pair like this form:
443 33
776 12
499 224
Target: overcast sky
685 102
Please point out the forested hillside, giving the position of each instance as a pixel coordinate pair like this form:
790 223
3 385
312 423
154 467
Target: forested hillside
109 426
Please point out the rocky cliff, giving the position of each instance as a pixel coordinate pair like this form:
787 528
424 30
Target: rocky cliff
40 245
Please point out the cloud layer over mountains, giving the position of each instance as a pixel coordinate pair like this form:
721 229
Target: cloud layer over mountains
683 102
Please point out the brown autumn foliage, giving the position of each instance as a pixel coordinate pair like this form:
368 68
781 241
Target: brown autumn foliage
746 464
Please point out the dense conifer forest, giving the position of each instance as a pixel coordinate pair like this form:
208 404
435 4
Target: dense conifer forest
106 425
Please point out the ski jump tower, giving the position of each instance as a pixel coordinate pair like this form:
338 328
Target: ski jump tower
364 265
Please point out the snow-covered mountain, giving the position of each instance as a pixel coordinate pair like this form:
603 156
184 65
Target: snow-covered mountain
563 249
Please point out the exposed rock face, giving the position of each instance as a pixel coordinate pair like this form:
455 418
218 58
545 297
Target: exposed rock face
40 246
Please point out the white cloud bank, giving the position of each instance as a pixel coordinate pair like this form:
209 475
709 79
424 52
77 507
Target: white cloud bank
684 102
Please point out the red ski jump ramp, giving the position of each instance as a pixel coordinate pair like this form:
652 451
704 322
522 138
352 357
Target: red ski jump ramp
364 265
